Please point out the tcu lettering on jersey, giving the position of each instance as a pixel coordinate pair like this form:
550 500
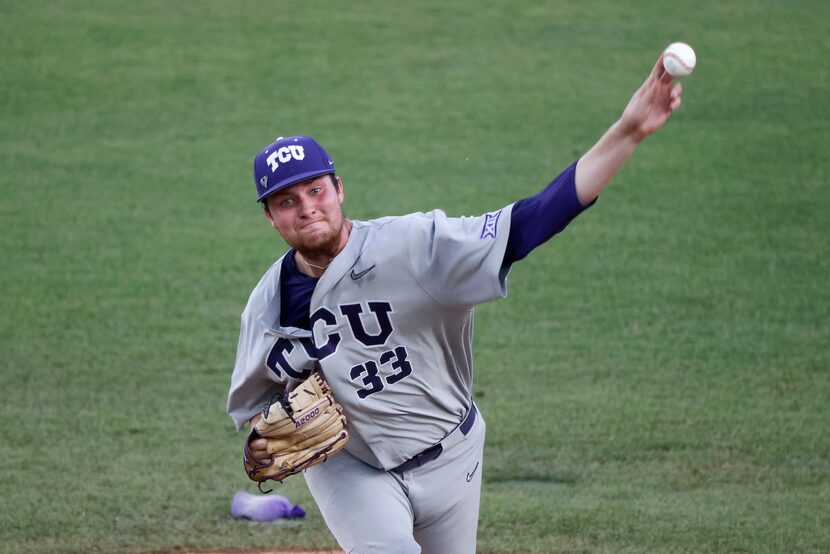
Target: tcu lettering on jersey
285 155
391 366
353 314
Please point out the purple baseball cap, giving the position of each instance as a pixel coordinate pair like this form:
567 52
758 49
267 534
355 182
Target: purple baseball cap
287 161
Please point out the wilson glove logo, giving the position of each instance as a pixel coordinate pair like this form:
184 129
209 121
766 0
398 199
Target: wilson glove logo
285 155
306 418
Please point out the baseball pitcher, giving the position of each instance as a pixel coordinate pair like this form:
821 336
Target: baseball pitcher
354 362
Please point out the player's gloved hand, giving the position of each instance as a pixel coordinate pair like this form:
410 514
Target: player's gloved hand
258 449
300 431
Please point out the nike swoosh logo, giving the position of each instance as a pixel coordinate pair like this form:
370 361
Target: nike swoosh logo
473 472
356 276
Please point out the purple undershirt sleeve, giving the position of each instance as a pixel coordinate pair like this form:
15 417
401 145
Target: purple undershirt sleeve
536 219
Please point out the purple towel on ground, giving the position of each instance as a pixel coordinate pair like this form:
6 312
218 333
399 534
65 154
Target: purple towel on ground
263 508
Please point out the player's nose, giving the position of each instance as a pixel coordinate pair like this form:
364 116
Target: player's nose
307 207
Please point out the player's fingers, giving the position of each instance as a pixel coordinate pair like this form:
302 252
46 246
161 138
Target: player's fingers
259 450
660 83
674 96
663 91
675 103
259 445
658 72
657 69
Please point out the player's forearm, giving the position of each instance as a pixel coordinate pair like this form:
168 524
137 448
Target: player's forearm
599 165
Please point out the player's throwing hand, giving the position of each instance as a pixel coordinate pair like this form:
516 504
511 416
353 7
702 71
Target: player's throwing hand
652 104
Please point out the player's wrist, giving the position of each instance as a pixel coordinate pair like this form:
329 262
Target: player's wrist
627 134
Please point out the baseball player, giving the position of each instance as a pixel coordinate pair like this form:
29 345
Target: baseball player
383 309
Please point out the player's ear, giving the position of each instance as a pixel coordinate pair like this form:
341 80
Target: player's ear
267 211
338 185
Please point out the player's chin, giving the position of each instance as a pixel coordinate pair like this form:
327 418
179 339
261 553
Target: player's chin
317 240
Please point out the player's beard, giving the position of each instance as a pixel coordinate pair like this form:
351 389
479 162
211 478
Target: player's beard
324 245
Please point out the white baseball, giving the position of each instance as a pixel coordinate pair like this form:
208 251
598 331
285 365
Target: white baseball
679 59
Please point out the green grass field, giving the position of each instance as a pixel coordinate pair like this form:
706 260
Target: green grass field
659 378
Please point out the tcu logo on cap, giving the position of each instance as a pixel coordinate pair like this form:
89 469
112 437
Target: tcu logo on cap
284 155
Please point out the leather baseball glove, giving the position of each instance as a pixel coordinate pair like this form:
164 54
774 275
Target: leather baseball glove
302 430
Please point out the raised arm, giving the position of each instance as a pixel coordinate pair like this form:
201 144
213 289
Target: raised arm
538 218
646 112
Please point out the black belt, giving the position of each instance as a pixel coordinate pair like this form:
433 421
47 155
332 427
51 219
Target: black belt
434 451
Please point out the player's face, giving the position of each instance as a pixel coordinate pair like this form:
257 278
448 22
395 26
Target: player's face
309 216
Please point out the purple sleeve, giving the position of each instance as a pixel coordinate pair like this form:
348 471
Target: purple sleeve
536 219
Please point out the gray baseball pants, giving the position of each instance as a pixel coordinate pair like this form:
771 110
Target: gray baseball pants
431 508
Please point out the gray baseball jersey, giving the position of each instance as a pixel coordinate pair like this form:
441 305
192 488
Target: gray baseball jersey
391 330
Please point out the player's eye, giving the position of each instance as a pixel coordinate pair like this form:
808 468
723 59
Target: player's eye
285 202
316 190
